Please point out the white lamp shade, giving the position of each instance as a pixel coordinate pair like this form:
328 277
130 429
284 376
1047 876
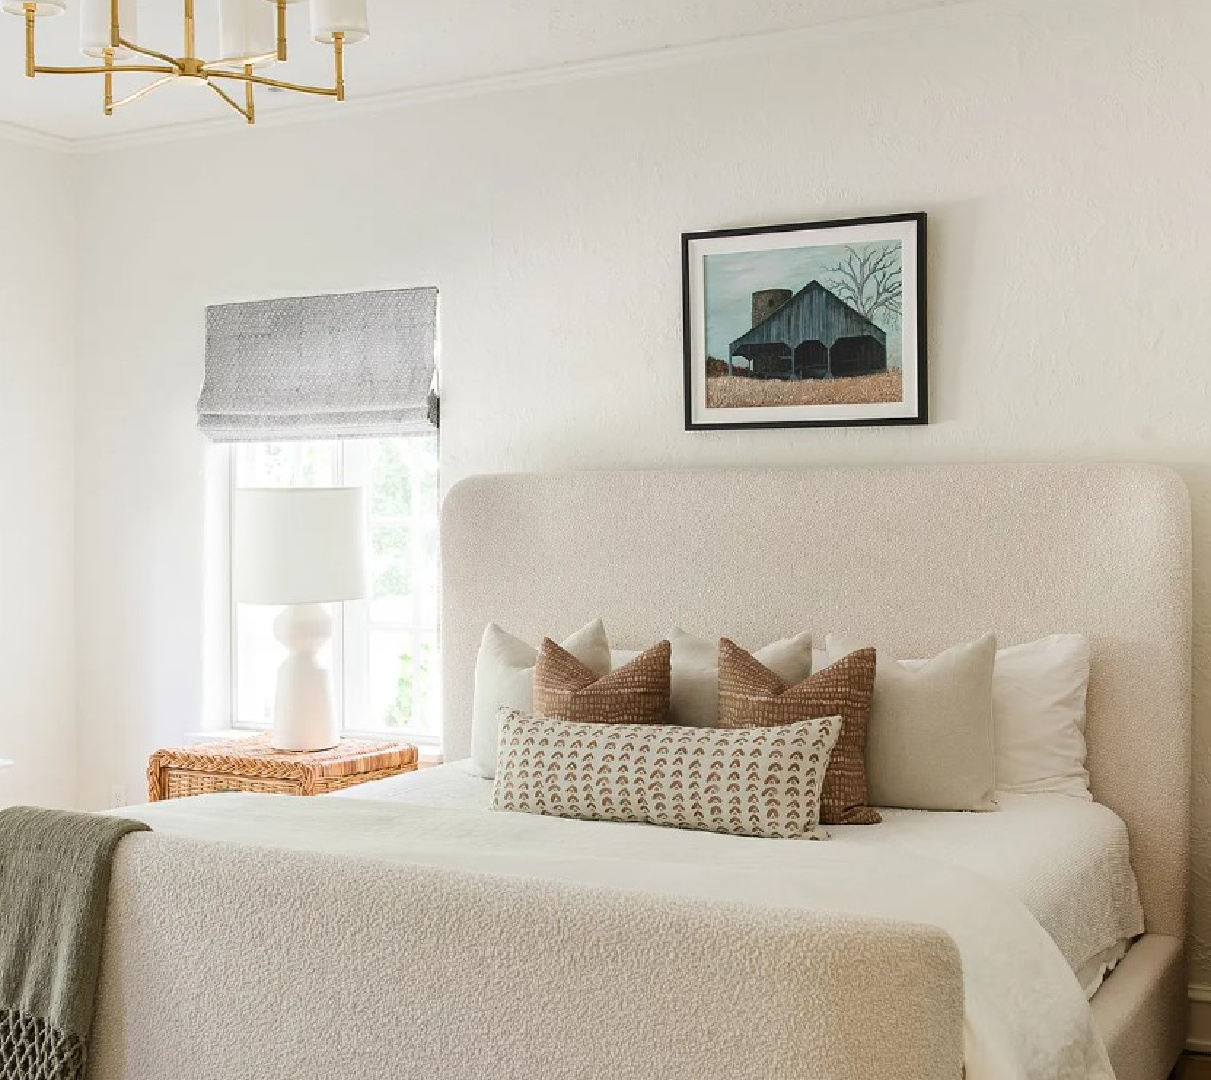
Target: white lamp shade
95 18
247 28
299 545
42 8
332 17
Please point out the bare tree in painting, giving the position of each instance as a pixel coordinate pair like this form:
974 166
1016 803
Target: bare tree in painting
870 281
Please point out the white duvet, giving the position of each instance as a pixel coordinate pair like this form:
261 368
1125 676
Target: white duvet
1026 1015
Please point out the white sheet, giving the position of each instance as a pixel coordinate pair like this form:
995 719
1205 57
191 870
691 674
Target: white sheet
1065 859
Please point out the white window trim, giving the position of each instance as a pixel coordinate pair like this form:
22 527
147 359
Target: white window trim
220 686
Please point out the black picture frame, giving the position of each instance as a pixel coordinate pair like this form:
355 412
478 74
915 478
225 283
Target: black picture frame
795 306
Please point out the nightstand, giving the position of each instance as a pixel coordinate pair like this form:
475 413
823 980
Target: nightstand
254 765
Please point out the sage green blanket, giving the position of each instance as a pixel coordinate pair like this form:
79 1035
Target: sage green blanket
54 889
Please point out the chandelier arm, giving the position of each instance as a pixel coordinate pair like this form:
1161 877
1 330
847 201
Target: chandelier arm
230 100
144 90
117 69
108 106
281 27
260 80
30 65
213 66
147 52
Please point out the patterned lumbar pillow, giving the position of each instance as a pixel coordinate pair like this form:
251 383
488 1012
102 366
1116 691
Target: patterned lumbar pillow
636 693
747 782
750 695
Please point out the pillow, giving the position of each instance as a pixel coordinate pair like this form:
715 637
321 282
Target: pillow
637 693
751 695
930 743
748 782
504 676
1038 716
696 673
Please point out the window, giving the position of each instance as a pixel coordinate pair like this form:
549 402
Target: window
384 654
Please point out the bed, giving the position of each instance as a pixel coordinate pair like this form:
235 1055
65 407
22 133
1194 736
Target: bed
391 935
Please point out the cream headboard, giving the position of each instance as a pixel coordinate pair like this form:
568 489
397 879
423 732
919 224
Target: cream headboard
918 557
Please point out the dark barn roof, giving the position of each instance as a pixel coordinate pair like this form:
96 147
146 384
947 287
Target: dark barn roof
812 314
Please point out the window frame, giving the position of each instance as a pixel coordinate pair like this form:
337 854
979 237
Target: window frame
350 619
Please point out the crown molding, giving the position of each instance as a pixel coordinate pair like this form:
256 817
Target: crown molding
575 71
40 140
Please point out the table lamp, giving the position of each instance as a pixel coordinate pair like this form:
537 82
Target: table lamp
301 548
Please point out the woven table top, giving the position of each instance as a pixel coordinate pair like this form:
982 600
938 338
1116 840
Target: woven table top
349 758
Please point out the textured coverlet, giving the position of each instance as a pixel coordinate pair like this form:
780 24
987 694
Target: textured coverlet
54 889
1025 1015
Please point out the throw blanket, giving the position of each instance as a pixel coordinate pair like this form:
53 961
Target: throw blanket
54 887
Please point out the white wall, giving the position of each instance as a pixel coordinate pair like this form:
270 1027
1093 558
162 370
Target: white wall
1059 147
37 665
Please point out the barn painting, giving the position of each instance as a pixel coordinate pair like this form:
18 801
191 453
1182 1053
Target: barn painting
824 320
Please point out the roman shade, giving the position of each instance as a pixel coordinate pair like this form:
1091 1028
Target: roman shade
321 367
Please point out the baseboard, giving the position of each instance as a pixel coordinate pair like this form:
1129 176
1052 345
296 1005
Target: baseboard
1198 1039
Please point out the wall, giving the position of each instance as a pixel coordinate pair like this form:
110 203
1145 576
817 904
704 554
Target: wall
1058 147
37 294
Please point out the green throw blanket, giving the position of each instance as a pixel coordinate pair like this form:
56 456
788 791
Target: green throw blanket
54 888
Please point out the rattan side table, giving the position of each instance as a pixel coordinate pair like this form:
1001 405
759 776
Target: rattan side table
254 765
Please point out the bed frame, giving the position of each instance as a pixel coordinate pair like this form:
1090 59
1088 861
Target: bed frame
223 962
920 557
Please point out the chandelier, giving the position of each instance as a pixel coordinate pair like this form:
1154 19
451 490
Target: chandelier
252 36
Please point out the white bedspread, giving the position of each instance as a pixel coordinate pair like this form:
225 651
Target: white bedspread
1066 859
1026 1017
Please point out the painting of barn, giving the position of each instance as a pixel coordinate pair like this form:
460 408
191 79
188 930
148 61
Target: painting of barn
811 325
811 334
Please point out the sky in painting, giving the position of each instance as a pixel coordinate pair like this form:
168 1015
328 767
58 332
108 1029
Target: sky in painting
730 281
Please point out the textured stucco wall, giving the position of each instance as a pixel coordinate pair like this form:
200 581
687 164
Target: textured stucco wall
1057 145
37 670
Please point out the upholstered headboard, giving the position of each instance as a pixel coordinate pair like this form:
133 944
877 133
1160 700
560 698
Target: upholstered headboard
919 558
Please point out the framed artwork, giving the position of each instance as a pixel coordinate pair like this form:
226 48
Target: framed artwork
812 325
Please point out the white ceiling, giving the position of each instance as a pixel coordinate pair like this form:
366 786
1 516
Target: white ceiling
414 45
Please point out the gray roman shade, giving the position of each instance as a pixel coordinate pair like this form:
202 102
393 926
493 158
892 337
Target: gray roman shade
320 367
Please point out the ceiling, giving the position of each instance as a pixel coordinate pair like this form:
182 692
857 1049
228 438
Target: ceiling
413 46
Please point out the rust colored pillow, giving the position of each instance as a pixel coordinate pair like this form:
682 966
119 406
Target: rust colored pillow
750 695
636 693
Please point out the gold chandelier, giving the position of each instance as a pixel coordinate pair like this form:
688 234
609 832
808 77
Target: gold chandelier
252 34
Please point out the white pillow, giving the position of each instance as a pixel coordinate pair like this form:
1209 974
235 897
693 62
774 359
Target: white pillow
930 743
504 678
695 674
1038 716
1038 711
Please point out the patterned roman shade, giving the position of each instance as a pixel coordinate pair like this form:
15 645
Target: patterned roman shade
320 367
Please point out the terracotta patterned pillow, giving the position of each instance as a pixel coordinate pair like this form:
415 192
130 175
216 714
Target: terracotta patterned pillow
636 693
750 695
747 782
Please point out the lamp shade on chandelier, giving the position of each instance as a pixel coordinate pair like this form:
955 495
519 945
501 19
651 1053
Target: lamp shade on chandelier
251 34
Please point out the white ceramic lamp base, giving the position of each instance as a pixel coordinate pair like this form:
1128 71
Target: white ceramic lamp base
303 716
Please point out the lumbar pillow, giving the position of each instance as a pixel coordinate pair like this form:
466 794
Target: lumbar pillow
636 693
751 695
749 782
504 677
696 673
930 744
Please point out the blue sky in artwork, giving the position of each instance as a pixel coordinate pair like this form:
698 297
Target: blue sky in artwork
730 281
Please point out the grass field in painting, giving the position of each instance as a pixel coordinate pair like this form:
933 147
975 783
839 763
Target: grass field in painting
740 392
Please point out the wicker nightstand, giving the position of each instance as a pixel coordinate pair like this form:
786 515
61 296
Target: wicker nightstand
253 765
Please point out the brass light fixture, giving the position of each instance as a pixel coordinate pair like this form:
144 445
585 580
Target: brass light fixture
252 34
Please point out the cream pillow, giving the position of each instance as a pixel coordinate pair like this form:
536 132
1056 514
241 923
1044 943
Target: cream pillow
1038 716
746 782
930 744
504 678
695 684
